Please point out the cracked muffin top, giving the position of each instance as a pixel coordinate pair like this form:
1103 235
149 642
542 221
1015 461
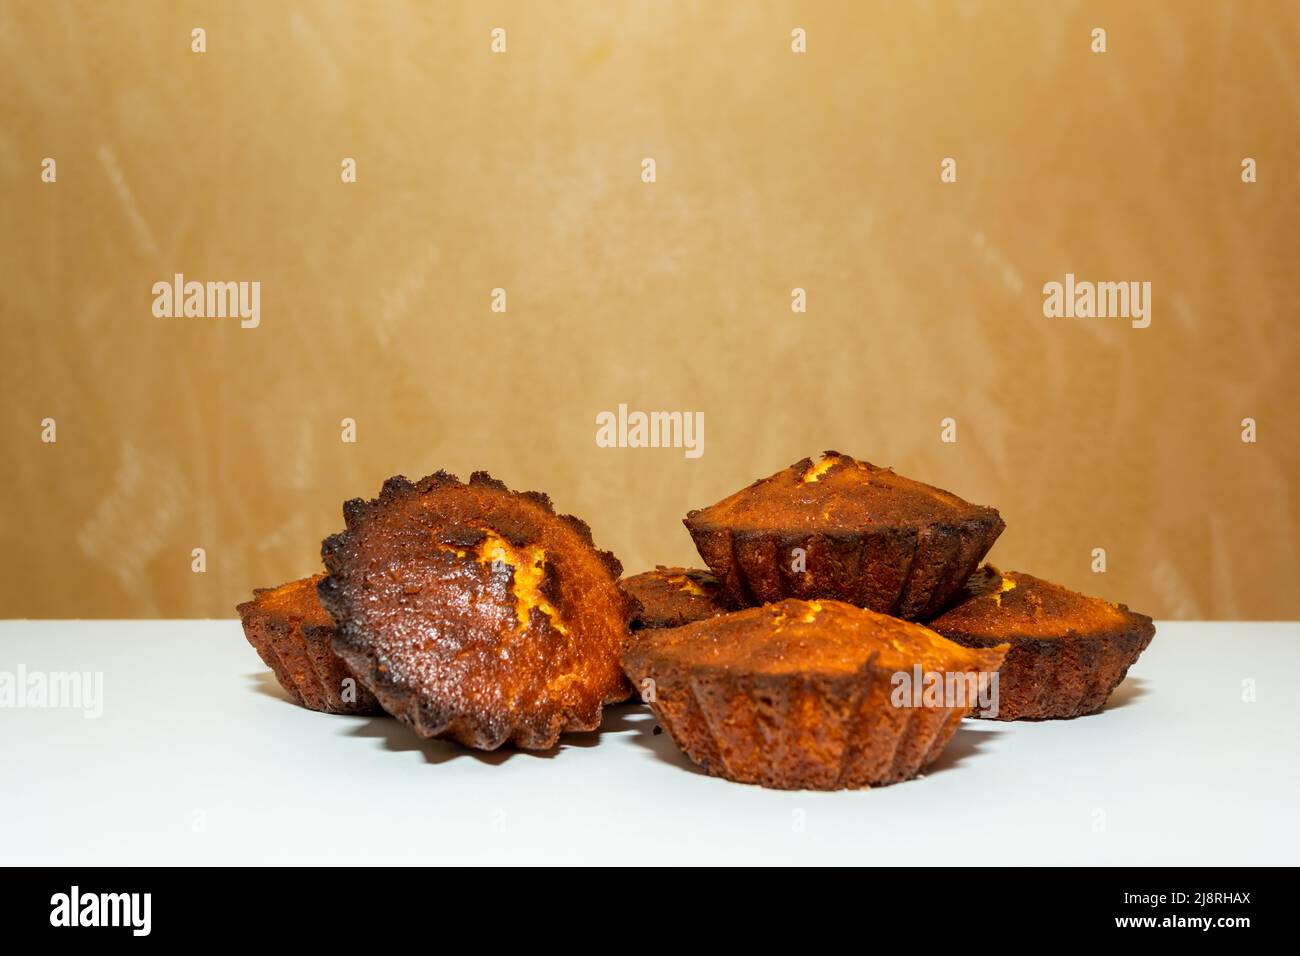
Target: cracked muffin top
475 612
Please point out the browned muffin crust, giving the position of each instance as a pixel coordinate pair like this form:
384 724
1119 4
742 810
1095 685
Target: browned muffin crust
671 597
1068 651
477 613
800 694
291 633
869 537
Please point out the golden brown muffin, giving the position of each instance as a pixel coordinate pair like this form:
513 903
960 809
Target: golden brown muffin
671 597
476 613
292 633
803 694
1068 651
847 530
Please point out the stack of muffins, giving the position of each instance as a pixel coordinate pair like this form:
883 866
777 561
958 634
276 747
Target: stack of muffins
834 588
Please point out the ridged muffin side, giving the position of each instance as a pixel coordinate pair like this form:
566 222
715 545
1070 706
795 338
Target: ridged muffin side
291 632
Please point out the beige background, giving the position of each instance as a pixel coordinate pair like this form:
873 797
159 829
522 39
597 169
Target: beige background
522 171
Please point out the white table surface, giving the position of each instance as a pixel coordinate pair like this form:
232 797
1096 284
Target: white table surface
199 758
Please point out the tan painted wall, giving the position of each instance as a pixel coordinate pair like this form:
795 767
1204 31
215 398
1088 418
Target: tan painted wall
522 171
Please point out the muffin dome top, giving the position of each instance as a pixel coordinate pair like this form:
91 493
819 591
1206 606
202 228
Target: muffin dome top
805 638
295 601
1010 604
671 597
838 491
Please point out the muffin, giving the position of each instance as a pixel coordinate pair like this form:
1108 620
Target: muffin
476 613
671 597
805 694
1068 651
847 530
292 634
